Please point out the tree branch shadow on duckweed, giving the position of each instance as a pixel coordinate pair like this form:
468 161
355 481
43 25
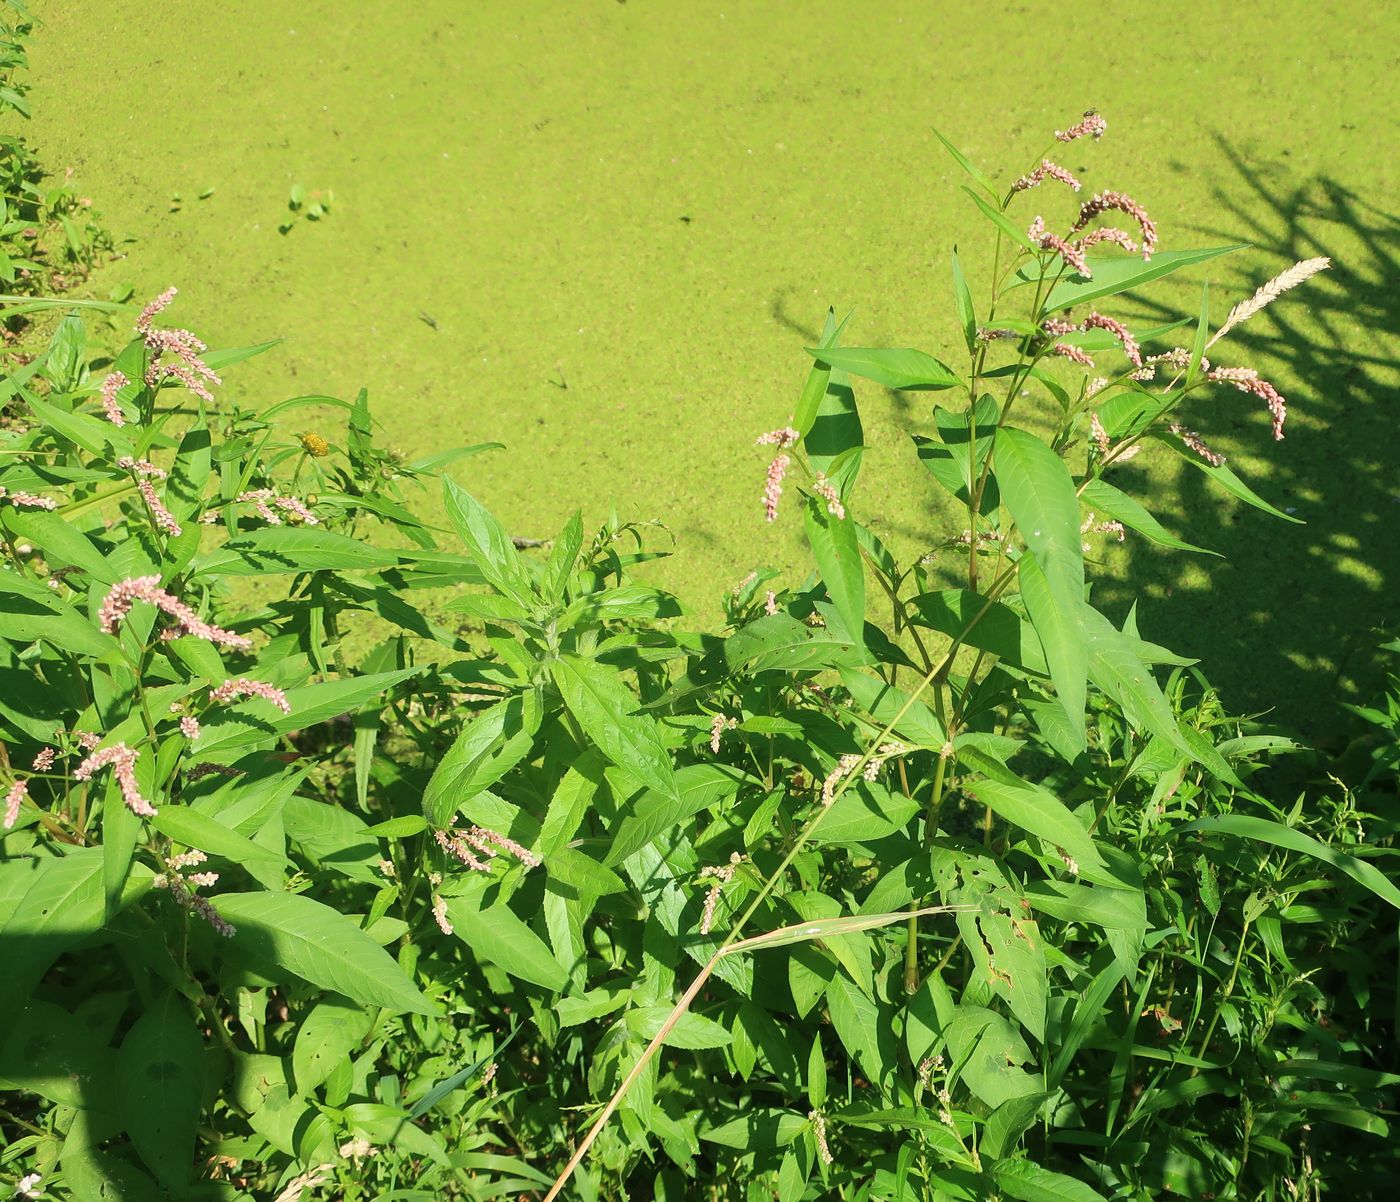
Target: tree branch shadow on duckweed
1288 621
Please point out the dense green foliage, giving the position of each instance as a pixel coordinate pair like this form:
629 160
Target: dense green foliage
921 880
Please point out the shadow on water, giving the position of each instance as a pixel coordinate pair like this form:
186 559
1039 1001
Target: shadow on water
1287 622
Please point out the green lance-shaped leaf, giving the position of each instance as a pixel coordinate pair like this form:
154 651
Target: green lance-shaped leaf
606 710
698 786
962 302
1039 492
918 725
160 1084
973 171
1027 1181
1112 276
1112 502
1037 810
1002 222
327 1037
293 933
488 543
900 368
837 552
488 747
295 549
496 934
1224 477
818 378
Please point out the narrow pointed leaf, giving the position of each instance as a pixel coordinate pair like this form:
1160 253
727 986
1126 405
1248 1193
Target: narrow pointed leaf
899 368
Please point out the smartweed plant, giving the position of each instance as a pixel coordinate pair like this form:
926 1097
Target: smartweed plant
350 856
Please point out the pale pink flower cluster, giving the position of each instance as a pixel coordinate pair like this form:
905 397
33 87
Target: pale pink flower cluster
464 846
1246 379
122 760
1092 124
718 724
846 765
1074 354
189 727
1097 321
721 876
773 486
1100 435
1109 233
142 467
827 492
44 760
126 593
1116 201
243 687
190 370
1071 254
160 515
13 800
1058 327
267 502
440 915
818 1121
113 384
28 1185
1178 358
88 739
27 500
770 603
782 439
1197 444
1046 168
185 896
1089 526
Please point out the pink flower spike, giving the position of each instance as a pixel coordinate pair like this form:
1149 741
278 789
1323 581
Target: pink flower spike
122 760
773 487
770 603
266 501
151 311
1057 327
243 687
1097 321
782 439
142 467
1100 435
13 800
1197 444
1073 353
1092 124
44 760
189 727
717 724
440 915
1067 251
827 492
125 593
1117 201
160 515
1108 233
1246 379
27 500
114 382
1046 168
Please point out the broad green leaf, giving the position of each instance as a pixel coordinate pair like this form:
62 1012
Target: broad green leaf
279 549
160 1086
865 813
1264 830
918 726
488 747
55 1053
758 1129
194 829
1010 952
327 1036
606 710
1037 489
64 545
562 557
902 369
488 543
291 932
92 434
863 1031
1003 222
1027 1181
48 905
1224 477
691 1030
999 630
962 303
1037 810
834 547
1117 669
497 935
1112 276
698 787
989 1050
1008 1122
1103 498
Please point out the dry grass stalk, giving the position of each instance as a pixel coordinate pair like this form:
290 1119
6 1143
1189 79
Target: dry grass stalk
1270 292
